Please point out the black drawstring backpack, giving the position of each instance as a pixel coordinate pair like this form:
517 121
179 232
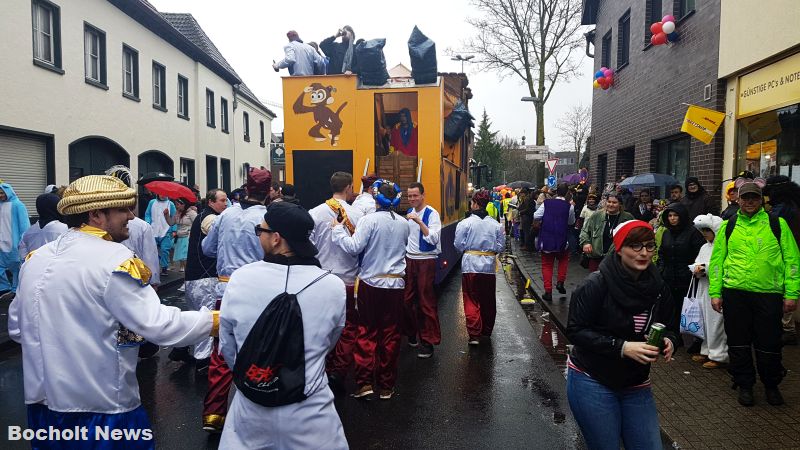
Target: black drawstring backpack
270 367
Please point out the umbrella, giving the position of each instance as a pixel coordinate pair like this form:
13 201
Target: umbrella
171 189
520 184
154 176
573 178
649 179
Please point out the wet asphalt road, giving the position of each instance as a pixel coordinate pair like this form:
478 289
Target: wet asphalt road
506 393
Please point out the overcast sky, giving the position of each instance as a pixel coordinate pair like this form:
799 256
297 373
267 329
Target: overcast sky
251 33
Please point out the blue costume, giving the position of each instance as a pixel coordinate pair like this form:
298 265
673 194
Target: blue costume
164 240
14 222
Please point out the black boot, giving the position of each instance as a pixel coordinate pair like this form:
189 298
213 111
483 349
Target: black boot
548 297
180 354
746 396
560 288
774 396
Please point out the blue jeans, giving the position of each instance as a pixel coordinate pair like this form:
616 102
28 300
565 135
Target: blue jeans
607 415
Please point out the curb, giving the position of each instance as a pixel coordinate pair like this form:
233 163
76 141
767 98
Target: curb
666 439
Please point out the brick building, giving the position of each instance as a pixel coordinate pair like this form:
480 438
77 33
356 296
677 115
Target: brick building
636 123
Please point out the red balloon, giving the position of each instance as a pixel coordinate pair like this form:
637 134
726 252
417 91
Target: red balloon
656 28
610 80
603 82
658 39
605 88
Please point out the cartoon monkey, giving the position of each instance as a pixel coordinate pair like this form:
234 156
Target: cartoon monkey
321 97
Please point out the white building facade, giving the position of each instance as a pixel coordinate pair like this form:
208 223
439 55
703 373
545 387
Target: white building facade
93 83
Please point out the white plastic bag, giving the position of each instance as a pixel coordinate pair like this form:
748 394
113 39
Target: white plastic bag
692 322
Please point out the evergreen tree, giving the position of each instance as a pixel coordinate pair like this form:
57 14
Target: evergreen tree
488 151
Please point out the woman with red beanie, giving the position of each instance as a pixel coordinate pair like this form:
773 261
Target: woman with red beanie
608 380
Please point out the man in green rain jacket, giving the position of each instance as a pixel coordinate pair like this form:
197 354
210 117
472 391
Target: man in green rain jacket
753 280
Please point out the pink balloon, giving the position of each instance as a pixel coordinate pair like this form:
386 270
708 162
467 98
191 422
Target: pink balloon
603 69
608 72
668 18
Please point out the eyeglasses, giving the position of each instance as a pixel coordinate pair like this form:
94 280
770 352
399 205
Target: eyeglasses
638 246
260 230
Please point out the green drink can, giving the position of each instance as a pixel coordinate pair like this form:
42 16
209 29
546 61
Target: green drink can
656 335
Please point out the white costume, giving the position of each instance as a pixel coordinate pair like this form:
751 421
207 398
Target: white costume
474 234
365 203
36 236
434 232
142 243
380 257
314 422
79 303
331 256
715 344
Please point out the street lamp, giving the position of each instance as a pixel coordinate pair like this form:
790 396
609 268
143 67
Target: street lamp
462 59
533 100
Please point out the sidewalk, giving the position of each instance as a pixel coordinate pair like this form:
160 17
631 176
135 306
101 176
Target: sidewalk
171 280
696 407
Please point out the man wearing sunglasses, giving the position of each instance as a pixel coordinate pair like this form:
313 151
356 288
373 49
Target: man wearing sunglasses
231 240
753 281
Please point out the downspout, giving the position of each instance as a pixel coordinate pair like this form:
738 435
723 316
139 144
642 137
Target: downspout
234 105
589 41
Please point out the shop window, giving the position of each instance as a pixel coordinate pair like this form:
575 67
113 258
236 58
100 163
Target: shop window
672 157
769 143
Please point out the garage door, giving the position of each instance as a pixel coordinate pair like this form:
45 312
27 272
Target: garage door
23 166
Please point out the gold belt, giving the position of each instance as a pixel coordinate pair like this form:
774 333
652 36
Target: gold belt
224 278
480 253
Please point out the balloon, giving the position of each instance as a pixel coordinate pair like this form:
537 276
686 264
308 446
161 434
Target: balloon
672 37
610 79
599 74
602 82
668 27
656 28
605 88
659 39
608 72
596 84
603 69
668 18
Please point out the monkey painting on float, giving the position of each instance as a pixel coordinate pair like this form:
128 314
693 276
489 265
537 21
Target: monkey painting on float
321 96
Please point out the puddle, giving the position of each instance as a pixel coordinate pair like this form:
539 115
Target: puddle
554 342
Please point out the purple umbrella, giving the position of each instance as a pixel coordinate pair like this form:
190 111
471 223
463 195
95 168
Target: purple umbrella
573 178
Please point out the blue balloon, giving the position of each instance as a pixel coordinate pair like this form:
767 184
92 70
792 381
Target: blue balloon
599 74
672 37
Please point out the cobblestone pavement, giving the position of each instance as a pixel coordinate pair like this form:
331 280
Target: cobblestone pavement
697 407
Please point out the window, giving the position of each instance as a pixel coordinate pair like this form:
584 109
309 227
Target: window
246 120
682 8
225 168
624 40
652 15
672 157
159 87
94 55
767 143
183 97
223 114
605 59
130 72
187 171
261 129
210 118
46 20
212 174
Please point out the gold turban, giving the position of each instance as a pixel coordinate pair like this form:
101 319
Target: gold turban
96 192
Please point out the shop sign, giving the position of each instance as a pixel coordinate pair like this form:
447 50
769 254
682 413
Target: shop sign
772 87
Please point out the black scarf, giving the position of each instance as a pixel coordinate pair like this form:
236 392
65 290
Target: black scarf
292 260
633 295
481 213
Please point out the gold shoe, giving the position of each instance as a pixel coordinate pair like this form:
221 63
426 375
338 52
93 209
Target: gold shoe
213 423
699 358
713 365
363 391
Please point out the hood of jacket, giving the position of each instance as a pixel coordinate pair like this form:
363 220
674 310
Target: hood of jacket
9 192
700 189
682 212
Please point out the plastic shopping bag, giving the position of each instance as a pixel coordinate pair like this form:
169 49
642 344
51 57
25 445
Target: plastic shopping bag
692 322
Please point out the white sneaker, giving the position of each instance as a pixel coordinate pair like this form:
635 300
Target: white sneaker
182 288
473 342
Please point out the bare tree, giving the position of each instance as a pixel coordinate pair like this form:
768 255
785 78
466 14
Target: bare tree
518 168
575 126
532 39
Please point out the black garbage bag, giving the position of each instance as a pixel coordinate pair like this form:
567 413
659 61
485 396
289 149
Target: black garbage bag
371 62
422 51
270 367
457 123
